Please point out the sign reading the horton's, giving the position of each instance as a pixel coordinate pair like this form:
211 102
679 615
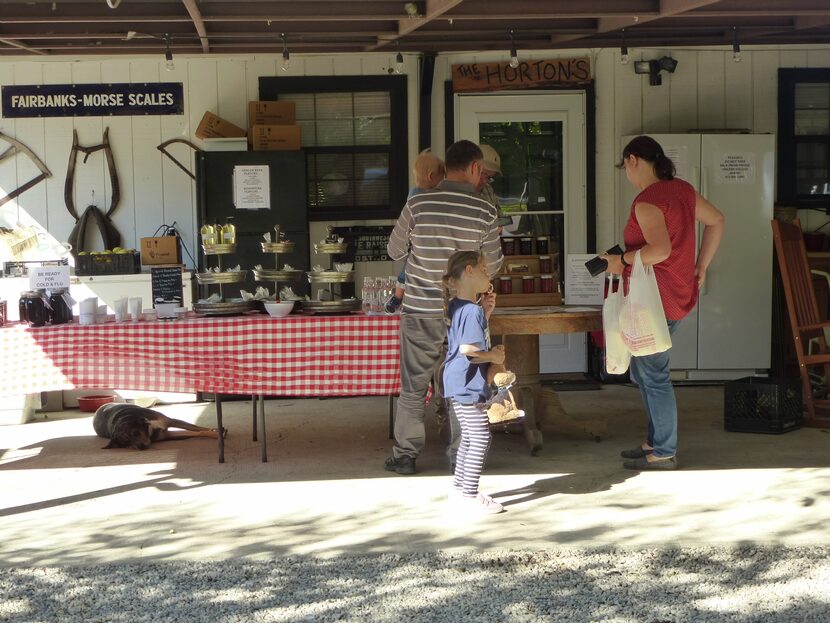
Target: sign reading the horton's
93 100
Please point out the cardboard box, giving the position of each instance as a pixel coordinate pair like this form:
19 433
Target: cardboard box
160 250
213 126
271 113
276 137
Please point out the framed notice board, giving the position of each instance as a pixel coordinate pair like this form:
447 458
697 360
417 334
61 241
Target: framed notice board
166 283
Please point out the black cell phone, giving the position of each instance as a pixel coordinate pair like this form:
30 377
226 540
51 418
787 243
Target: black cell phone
598 265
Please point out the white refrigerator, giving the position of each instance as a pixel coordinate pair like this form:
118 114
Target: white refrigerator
728 334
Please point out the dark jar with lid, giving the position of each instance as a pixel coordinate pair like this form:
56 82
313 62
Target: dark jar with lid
21 308
525 246
36 314
60 313
508 246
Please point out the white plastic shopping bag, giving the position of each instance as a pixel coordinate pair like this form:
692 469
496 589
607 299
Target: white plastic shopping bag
642 319
617 355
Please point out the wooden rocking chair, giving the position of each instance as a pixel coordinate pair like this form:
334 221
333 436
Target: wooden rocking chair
806 321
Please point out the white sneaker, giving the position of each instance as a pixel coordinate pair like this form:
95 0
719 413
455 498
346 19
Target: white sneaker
481 504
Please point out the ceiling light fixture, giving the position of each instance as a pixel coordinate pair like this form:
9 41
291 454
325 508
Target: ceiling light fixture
736 48
168 54
624 50
286 57
398 59
514 57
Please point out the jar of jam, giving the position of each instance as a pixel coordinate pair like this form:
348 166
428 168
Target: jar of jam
36 314
545 265
526 246
542 244
60 313
508 246
528 284
21 308
505 285
546 284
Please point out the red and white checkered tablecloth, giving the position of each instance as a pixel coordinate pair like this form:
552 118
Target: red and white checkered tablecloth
253 354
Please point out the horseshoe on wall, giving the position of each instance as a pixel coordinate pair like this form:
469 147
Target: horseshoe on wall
163 146
14 148
70 172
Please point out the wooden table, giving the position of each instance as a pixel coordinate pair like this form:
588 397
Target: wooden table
521 329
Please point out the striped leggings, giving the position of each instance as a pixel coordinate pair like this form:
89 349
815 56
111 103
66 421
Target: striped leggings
472 451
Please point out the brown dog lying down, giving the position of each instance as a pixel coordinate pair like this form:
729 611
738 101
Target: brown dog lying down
131 426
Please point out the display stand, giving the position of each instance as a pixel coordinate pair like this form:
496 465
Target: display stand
334 279
541 275
210 278
279 275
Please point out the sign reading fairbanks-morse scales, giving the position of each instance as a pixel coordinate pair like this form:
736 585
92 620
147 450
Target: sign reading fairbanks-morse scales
93 100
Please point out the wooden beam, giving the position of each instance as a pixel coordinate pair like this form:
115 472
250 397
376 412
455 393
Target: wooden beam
434 9
196 16
21 46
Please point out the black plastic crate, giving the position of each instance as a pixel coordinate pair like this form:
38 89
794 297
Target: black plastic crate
108 264
762 405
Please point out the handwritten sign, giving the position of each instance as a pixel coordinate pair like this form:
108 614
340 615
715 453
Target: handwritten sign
166 283
48 277
529 74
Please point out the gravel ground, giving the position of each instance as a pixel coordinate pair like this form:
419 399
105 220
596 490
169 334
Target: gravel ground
675 585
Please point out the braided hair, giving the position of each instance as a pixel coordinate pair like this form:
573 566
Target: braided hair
456 266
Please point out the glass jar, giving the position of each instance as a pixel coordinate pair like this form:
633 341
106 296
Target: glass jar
546 284
508 246
60 313
21 308
505 285
528 284
36 314
542 244
526 246
545 265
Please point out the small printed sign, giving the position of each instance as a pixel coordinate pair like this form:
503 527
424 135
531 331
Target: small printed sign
580 287
735 168
48 277
92 100
252 187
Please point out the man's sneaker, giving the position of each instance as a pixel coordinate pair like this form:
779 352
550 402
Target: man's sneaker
404 465
392 304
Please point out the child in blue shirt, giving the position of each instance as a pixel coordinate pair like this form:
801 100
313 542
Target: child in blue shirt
465 374
428 170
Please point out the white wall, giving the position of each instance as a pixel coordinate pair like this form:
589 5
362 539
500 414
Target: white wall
707 90
153 189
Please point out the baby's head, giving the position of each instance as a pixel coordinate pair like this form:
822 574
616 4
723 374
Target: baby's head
428 170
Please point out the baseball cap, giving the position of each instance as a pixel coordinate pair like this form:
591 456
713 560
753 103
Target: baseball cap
492 160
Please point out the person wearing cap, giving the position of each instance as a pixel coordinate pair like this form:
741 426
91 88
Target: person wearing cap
491 166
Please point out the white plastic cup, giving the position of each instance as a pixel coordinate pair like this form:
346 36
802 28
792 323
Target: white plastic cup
121 309
135 308
89 306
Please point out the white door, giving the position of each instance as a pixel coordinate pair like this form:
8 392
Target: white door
541 139
736 300
684 151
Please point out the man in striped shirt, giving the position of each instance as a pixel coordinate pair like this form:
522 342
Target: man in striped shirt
432 226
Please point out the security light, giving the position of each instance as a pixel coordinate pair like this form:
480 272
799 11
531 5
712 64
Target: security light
668 63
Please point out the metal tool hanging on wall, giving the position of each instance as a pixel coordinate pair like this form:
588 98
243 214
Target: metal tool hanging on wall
102 220
163 149
14 148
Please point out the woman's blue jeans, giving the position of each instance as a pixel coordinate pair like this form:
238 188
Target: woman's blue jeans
652 373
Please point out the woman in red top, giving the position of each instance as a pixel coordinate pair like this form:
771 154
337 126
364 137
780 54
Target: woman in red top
662 227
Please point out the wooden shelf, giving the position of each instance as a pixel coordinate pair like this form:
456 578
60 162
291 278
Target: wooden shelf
536 256
519 275
528 300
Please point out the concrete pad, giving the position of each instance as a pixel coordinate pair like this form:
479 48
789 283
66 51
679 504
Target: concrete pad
324 490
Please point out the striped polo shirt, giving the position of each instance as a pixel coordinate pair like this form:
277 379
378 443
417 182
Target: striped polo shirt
432 226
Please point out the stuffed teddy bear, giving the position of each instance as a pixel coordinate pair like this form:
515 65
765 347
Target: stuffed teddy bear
502 408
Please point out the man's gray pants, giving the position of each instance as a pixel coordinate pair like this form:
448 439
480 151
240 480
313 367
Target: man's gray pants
422 341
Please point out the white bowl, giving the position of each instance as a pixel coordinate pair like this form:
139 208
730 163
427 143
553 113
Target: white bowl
279 310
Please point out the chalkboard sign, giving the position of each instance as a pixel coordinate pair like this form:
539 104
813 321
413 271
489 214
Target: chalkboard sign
166 283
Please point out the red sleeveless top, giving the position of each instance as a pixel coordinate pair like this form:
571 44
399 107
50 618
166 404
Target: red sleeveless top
676 274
